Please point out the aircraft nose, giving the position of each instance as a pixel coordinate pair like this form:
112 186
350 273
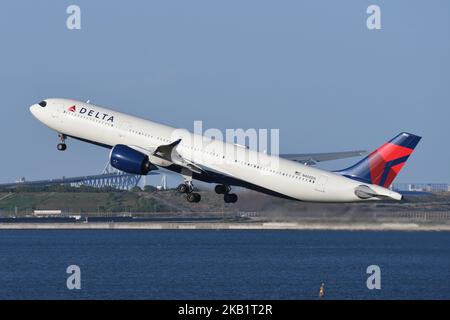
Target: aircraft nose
37 106
33 109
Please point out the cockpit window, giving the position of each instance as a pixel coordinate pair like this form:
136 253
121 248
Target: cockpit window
43 104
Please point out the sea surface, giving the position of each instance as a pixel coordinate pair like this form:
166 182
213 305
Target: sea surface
209 264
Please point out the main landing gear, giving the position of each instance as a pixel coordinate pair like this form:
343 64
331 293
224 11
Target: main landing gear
225 190
62 146
187 188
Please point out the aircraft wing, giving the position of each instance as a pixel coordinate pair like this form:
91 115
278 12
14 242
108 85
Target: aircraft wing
313 158
169 153
165 151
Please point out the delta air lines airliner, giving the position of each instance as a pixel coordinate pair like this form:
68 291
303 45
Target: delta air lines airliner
139 146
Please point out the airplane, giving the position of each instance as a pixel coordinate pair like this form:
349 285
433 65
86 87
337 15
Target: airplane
139 146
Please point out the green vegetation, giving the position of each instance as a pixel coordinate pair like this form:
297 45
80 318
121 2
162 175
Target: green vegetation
80 200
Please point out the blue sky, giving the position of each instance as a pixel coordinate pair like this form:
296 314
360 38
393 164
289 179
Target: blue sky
310 68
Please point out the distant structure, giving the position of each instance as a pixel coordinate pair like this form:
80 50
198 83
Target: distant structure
110 177
421 187
163 185
47 213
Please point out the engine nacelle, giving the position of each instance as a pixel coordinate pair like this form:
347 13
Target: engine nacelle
129 160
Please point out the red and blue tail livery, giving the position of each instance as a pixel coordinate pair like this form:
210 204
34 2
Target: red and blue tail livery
382 166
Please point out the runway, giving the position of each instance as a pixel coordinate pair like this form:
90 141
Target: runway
228 226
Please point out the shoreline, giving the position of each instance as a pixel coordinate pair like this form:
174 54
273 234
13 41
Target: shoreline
226 226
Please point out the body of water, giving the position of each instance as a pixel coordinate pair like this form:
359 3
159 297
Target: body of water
208 264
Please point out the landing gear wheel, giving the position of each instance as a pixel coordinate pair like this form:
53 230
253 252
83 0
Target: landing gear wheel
221 189
61 146
193 197
182 188
185 188
230 198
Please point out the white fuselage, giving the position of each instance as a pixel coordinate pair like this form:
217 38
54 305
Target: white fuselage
108 127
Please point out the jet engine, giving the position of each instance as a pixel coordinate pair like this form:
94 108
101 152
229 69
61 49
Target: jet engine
129 160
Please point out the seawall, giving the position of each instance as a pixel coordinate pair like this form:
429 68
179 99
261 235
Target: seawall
229 226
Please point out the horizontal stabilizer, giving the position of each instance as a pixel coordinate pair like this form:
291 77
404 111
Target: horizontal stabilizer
366 192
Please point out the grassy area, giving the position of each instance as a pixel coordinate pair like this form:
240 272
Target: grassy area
80 202
93 200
